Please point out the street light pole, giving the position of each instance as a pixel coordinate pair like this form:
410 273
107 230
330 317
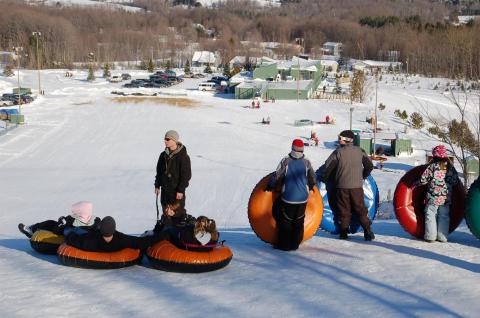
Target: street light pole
18 50
36 35
351 112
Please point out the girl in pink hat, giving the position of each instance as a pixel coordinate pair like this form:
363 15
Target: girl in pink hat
81 218
440 176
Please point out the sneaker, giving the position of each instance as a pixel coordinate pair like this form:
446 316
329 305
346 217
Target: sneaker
343 235
442 240
368 235
25 230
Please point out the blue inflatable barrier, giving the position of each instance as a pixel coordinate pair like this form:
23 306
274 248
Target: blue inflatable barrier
10 111
329 220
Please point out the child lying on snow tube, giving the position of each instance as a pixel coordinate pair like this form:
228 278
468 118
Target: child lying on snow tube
107 239
188 232
80 219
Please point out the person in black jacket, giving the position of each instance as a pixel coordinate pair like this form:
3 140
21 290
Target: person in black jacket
173 174
107 239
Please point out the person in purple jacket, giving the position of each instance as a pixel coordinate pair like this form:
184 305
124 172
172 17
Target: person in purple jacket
296 178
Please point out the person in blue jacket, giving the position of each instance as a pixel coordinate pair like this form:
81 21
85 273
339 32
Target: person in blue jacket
296 178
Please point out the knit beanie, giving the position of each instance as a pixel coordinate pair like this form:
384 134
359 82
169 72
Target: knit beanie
107 226
172 134
297 145
347 135
82 211
440 151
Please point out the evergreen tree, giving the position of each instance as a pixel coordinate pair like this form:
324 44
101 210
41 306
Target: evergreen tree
168 65
150 66
208 69
187 67
144 65
106 71
91 73
226 70
8 70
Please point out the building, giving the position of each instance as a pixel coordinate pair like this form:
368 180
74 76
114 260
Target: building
204 58
332 49
240 61
282 79
370 66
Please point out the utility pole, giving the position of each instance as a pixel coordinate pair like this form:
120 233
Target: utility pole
36 35
375 123
18 50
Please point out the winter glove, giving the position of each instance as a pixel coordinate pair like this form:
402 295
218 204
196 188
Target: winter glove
62 221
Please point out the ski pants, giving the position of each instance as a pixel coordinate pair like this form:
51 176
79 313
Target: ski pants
348 201
290 219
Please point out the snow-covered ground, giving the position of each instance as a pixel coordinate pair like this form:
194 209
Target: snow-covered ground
79 143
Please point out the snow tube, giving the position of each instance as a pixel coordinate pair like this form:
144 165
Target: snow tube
75 257
472 208
46 242
261 218
409 205
329 220
166 256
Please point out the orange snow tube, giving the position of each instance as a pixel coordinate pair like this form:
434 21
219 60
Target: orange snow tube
166 256
261 218
75 257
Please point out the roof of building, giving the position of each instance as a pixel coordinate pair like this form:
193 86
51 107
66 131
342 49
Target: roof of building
203 57
301 85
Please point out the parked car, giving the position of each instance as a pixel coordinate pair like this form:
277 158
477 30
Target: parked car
6 102
126 76
115 79
24 98
207 86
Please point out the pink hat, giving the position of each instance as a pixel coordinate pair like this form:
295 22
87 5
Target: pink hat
82 211
439 152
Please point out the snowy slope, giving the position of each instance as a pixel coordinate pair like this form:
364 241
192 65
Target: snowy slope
79 144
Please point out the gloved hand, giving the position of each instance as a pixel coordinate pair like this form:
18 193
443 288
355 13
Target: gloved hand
62 221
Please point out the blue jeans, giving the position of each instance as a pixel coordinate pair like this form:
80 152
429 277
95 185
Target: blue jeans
437 214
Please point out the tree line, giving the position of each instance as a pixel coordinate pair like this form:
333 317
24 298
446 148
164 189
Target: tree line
417 29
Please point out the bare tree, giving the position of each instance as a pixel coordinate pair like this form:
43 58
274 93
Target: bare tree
454 129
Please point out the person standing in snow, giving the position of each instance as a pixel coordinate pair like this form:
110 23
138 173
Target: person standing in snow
440 176
348 166
173 175
296 178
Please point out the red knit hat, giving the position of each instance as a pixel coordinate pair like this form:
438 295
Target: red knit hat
297 145
440 151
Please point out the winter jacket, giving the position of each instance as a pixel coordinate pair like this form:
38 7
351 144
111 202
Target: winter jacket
296 176
348 166
440 183
173 172
93 241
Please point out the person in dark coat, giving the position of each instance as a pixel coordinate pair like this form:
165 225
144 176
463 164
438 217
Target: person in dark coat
173 174
296 178
107 239
348 166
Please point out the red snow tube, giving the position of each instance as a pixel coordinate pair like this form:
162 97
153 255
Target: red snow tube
261 218
75 257
409 203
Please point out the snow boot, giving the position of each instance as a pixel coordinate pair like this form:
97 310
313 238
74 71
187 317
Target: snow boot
25 230
368 235
343 235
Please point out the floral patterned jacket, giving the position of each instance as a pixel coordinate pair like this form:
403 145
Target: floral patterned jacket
440 183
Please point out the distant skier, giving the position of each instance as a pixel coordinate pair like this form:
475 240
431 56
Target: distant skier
173 174
296 178
348 166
